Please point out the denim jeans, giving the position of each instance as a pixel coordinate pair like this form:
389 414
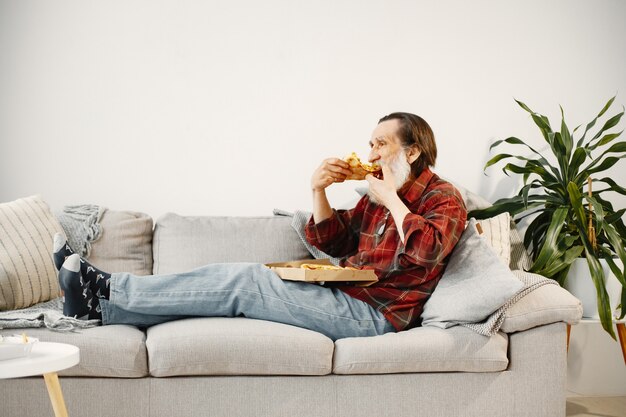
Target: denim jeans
238 289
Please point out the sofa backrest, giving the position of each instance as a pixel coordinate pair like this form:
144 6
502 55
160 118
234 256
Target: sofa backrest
182 243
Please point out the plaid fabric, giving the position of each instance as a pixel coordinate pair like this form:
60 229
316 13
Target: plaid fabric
366 237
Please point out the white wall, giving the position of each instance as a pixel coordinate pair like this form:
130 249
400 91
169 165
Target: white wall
226 107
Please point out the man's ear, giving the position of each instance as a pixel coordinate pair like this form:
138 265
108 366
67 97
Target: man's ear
412 154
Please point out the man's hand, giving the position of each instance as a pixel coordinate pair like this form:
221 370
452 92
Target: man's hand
384 190
330 171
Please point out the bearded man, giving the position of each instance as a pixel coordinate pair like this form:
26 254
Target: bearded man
404 230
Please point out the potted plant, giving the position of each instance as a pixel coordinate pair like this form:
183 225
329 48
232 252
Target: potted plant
566 196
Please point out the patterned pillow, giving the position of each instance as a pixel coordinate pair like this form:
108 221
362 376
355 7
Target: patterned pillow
27 273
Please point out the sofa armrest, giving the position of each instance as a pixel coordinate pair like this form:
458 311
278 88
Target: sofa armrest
546 304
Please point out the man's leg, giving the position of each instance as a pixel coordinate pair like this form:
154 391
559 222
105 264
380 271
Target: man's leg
226 290
239 289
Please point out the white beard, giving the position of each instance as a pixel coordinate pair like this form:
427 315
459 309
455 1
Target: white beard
400 168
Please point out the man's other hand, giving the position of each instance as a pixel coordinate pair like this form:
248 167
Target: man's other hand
384 190
330 171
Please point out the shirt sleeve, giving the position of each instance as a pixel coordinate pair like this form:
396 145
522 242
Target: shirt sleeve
338 236
429 237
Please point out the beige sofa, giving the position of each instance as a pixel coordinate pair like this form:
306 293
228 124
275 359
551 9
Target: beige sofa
244 367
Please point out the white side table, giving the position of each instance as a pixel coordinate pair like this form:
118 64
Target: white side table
45 359
621 332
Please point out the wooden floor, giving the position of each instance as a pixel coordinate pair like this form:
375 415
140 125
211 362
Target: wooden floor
596 407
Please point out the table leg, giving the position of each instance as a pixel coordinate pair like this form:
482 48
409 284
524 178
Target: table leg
621 331
56 396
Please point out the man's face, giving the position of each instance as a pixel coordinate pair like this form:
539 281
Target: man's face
385 144
387 149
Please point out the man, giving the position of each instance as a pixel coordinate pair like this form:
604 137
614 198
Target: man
404 230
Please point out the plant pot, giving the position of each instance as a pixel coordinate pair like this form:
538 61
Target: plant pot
580 285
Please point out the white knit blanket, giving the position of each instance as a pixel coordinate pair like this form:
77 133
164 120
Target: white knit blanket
48 314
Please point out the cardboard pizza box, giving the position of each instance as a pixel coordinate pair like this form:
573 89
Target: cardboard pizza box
291 271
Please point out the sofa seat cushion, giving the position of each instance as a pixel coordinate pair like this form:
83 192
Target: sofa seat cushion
422 349
236 346
117 351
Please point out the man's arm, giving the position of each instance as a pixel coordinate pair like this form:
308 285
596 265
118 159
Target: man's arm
321 206
330 231
331 170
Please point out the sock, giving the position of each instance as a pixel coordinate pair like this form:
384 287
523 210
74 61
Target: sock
79 301
98 280
61 250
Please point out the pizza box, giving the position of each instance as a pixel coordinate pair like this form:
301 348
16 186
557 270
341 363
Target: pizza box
291 271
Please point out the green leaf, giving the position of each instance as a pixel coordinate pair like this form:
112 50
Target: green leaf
549 249
516 141
609 124
593 167
525 107
563 261
577 160
576 201
617 245
597 274
606 106
566 137
604 140
620 277
593 122
544 127
512 206
497 159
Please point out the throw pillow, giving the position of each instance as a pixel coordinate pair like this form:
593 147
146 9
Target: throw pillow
27 273
475 283
124 244
520 259
496 231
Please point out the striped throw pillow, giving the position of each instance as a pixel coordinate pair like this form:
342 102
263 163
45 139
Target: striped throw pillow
27 273
496 231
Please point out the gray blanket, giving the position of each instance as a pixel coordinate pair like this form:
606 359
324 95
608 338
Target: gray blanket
82 226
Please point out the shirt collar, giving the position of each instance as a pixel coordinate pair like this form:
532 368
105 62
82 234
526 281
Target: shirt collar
416 189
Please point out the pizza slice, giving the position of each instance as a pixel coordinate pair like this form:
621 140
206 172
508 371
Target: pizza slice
360 169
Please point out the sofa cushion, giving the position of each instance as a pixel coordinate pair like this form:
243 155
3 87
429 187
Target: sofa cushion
184 243
117 351
27 273
546 304
422 349
125 243
236 346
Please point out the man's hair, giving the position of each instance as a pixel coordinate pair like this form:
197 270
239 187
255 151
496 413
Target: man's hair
414 131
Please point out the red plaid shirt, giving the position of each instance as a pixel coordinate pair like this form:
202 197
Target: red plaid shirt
366 238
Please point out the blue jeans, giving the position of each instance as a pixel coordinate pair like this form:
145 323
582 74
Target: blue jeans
238 289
